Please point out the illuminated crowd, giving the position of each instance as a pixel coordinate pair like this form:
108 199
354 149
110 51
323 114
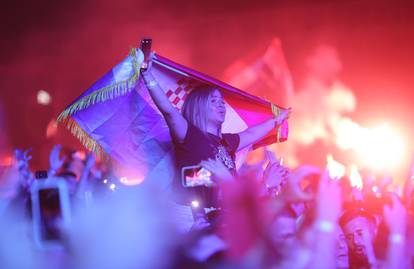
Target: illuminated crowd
270 216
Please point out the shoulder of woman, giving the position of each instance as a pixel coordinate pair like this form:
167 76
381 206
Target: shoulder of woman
193 134
232 140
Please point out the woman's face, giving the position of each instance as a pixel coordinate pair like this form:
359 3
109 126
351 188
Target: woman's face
216 108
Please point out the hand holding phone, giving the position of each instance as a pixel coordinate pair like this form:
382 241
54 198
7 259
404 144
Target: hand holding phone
196 176
50 211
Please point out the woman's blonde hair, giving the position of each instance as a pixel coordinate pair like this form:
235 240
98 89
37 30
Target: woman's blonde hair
195 107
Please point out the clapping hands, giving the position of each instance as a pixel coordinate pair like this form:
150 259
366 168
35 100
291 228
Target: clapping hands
275 176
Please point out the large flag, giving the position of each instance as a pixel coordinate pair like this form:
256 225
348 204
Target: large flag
117 117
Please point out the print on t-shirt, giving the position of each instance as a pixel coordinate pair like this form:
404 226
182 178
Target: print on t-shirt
223 155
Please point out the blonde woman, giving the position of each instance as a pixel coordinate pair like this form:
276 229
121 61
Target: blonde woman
197 136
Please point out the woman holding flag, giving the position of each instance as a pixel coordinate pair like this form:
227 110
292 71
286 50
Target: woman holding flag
197 135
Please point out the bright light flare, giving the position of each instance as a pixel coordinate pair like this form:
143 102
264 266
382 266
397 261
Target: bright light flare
380 148
384 148
43 98
355 178
336 169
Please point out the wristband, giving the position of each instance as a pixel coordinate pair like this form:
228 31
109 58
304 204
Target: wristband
325 226
151 84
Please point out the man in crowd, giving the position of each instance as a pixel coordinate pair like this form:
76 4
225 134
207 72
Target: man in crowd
360 230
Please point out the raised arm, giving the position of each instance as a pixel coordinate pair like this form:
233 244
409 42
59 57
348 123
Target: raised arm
328 208
395 217
257 132
176 122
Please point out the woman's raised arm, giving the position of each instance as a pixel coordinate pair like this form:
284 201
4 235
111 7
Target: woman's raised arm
257 132
176 122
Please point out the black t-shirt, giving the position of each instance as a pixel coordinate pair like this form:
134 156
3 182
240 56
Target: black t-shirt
198 146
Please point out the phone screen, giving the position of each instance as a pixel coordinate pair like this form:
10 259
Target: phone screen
194 176
50 213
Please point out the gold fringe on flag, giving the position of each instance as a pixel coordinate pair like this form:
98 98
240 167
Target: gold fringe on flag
276 111
279 134
105 93
87 141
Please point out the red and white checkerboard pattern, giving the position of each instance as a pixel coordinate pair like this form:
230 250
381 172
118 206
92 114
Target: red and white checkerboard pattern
177 96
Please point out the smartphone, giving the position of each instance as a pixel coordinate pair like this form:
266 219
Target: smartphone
41 174
50 211
145 47
196 176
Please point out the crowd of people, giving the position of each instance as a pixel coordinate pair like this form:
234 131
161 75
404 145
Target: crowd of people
79 214
268 216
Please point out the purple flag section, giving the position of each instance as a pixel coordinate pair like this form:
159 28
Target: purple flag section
134 134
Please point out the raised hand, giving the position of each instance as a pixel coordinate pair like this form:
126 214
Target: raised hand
293 192
54 160
328 208
275 175
83 181
22 158
328 199
218 169
147 74
90 161
22 165
283 115
255 169
395 216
